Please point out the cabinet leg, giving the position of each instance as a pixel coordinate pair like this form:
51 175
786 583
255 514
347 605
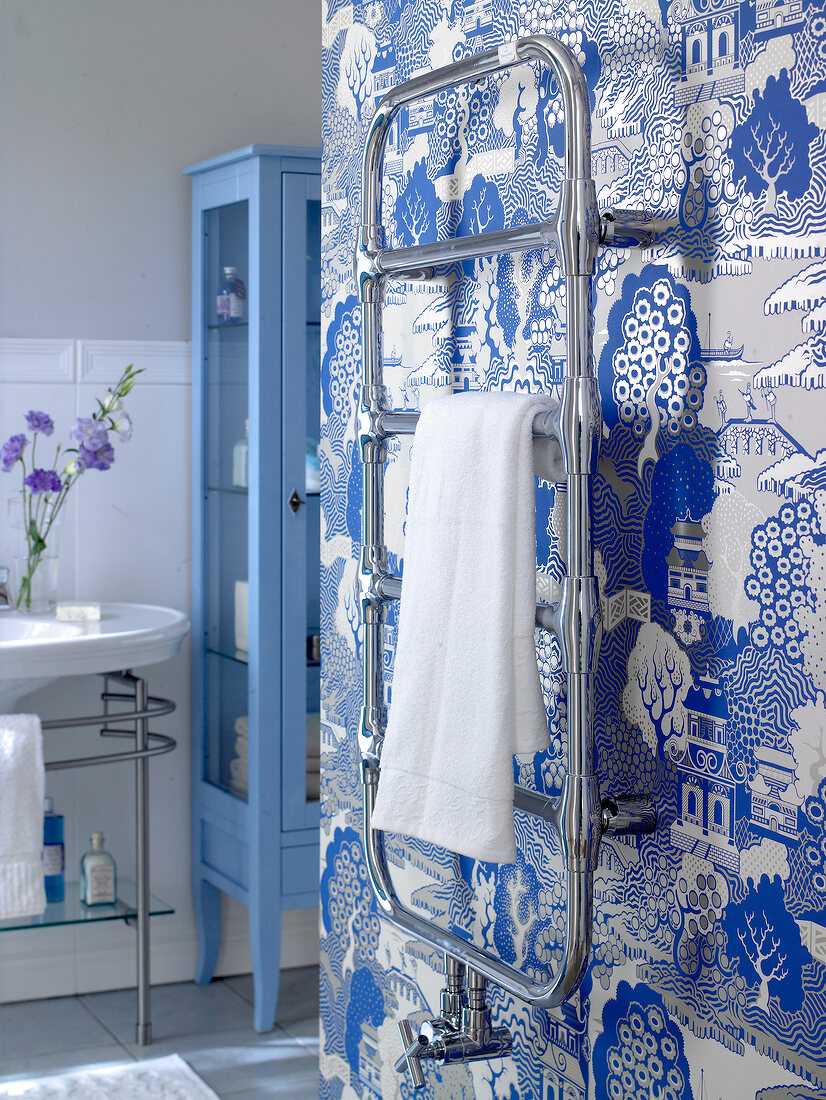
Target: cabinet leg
265 947
207 903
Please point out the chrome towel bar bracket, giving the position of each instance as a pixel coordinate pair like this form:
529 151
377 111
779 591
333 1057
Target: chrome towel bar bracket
581 817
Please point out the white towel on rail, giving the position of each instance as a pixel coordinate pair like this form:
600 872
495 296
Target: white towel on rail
22 781
466 692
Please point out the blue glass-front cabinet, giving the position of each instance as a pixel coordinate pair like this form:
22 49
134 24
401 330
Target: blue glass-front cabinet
256 216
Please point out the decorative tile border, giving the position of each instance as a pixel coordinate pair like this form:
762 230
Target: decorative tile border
30 360
25 359
166 362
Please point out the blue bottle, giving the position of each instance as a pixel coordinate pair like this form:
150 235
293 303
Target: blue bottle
53 851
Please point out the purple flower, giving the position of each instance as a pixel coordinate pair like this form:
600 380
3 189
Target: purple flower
39 422
43 481
90 433
100 459
11 450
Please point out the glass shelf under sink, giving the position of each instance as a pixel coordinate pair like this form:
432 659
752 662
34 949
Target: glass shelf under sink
72 910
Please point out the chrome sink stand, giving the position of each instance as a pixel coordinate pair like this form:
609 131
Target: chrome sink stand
117 712
576 231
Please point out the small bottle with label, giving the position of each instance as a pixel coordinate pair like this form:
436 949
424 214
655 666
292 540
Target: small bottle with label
240 459
53 852
232 298
98 877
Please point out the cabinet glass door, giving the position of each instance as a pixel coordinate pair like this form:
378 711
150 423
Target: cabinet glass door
301 555
226 370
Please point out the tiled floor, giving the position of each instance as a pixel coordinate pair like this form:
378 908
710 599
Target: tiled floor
209 1026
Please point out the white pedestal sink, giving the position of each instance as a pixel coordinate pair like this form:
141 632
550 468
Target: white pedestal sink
36 649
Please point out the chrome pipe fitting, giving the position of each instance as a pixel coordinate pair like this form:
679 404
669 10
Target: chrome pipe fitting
625 816
577 226
476 1023
462 1048
453 997
581 823
414 1047
629 228
465 1035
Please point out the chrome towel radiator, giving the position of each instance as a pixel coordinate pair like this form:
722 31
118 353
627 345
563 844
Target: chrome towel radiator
463 1030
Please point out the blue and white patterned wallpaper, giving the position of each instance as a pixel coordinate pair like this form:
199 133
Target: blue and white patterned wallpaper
708 977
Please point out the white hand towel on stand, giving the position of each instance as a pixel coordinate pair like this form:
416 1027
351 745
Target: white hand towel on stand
22 782
466 691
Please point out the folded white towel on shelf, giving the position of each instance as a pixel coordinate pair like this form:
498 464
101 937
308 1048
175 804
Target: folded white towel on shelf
466 691
22 782
239 770
242 616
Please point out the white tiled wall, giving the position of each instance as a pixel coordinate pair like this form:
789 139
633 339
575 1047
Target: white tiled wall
126 536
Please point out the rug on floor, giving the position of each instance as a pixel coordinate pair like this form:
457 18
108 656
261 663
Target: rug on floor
157 1079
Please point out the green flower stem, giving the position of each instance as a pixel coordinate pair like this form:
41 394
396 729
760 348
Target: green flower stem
40 515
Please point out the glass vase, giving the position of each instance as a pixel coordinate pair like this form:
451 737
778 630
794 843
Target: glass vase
35 570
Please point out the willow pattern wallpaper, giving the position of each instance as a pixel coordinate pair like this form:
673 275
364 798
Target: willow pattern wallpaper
708 972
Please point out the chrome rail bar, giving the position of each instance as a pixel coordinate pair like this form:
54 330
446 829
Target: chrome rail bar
617 228
156 708
404 421
389 587
396 262
577 231
157 745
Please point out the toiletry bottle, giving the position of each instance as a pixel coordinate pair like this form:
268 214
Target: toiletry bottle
98 877
232 297
240 459
53 851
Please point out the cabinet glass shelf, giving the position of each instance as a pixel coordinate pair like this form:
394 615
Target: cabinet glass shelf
242 657
239 655
234 327
72 910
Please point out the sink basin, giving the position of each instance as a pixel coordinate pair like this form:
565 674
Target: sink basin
22 629
35 649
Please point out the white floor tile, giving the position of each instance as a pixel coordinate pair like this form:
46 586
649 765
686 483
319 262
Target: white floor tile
43 1027
15 1067
177 1010
209 1026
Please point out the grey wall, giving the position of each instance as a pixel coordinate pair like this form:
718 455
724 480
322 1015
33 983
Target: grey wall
102 103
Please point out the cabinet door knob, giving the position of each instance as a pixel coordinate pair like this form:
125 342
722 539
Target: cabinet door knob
295 501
